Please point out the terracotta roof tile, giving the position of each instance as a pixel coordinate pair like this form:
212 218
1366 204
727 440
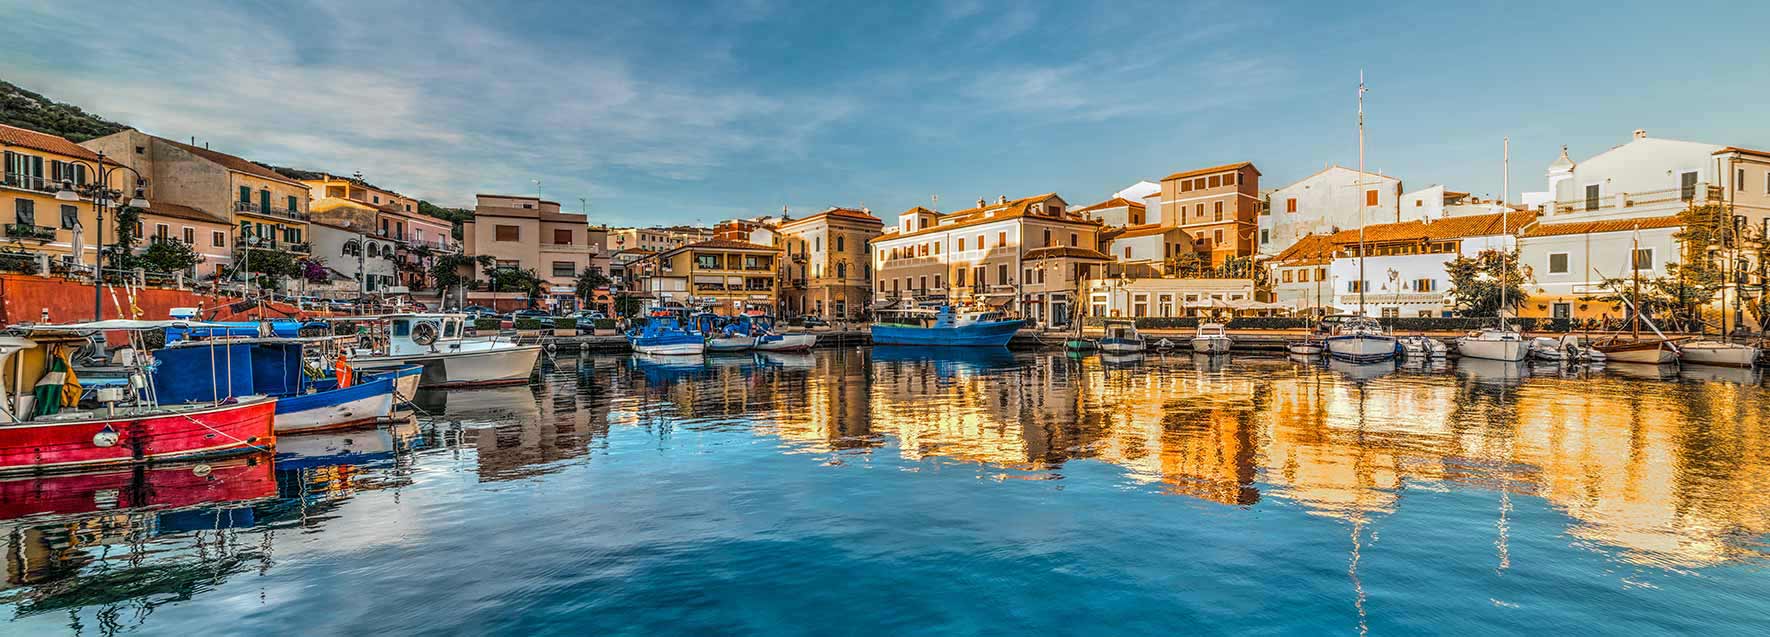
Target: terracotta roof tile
1214 169
1607 225
1743 151
989 214
727 244
15 136
1312 248
1145 230
177 211
1448 228
1115 202
845 213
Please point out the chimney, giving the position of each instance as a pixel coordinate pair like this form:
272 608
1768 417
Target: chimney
1640 133
1002 199
980 202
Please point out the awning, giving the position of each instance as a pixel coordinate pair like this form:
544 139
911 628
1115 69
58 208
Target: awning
998 302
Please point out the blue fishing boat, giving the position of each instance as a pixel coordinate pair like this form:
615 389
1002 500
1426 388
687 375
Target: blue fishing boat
664 334
309 398
943 327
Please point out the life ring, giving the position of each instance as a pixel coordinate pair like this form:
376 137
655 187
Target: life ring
424 333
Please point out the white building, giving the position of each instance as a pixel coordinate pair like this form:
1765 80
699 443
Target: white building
1403 270
1568 262
1135 298
1437 202
1117 212
348 252
1327 202
1646 177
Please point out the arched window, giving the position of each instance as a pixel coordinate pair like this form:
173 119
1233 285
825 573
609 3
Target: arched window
372 250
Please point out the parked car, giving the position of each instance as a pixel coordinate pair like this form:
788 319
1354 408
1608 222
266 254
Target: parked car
587 315
545 318
479 312
812 321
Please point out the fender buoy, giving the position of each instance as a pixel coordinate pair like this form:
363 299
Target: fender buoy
106 437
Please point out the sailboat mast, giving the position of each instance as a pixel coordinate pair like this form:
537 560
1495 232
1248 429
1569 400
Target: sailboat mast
1634 249
1505 226
1360 193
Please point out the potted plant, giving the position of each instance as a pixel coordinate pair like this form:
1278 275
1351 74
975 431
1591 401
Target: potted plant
565 326
487 325
527 326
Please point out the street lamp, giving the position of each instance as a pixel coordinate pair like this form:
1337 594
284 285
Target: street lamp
101 195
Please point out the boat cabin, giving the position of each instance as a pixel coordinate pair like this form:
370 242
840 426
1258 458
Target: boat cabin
412 334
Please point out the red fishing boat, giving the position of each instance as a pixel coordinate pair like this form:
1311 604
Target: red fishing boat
44 429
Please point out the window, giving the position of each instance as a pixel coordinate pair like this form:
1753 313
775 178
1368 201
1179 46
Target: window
1002 274
1562 311
161 231
1419 203
959 276
1391 312
1644 259
936 281
563 268
1218 209
961 244
1229 179
1072 239
509 264
839 243
1558 263
292 204
1321 274
817 243
937 247
1198 210
1687 185
1026 276
506 233
1215 181
1285 276
24 212
1425 285
1127 252
1592 196
562 236
1265 236
218 239
922 282
1047 238
1290 204
1740 179
1303 275
70 217
980 242
1217 237
245 194
190 236
707 261
1002 239
1354 286
1370 197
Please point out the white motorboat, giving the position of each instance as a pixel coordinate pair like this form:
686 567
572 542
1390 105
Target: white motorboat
1361 339
777 342
1122 338
1544 348
449 359
1420 347
730 343
1312 344
1502 344
1719 353
1211 339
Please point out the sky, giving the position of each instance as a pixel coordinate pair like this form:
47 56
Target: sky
667 112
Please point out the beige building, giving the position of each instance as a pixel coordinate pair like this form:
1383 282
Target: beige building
828 271
723 276
261 204
981 255
528 233
351 204
1218 207
656 239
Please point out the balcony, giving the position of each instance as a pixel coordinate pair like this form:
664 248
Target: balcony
30 232
1678 197
252 208
303 247
30 182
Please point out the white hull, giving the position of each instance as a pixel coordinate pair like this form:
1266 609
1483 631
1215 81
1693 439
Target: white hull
1720 354
1493 349
676 349
363 411
730 343
1661 356
1362 347
1305 349
787 343
496 365
1212 344
1123 348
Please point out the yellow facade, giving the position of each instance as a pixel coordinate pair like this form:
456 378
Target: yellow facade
35 165
726 277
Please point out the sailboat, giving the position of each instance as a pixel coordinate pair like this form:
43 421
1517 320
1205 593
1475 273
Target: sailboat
1503 343
1361 338
1649 351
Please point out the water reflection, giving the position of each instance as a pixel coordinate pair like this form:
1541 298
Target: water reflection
1667 471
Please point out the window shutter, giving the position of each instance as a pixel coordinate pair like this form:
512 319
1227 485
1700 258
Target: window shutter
245 194
37 167
80 174
264 200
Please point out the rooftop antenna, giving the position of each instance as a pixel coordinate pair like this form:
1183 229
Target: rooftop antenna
537 188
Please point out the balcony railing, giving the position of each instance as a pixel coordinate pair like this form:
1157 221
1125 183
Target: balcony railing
1613 201
247 206
31 182
28 231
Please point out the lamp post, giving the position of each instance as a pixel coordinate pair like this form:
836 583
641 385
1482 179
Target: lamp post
101 195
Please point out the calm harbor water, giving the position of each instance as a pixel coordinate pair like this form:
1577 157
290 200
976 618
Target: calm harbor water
886 491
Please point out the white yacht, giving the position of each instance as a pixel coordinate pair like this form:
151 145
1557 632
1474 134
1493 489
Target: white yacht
1719 353
450 359
1211 339
1501 344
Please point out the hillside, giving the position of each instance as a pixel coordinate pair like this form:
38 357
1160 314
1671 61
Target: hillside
25 109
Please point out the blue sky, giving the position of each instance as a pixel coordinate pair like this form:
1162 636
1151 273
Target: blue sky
694 112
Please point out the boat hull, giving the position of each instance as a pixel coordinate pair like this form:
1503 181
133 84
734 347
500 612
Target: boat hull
786 343
1122 346
987 334
500 366
1361 348
1305 349
669 349
1211 345
46 446
1493 350
1720 354
360 404
731 343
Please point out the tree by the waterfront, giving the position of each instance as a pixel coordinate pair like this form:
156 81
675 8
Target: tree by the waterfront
589 281
1477 283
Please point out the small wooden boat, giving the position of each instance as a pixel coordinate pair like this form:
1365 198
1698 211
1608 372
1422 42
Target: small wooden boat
1211 338
1645 351
1719 353
1122 338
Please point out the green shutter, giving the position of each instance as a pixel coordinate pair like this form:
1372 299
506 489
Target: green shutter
264 200
245 194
